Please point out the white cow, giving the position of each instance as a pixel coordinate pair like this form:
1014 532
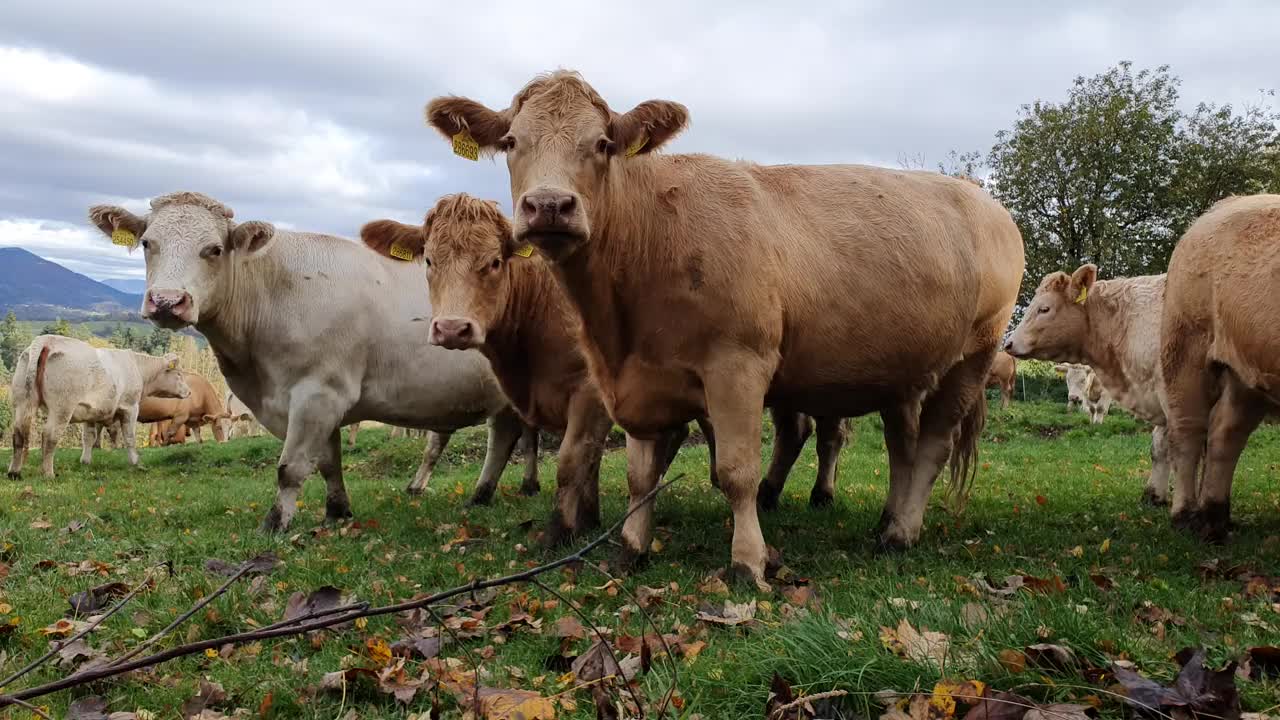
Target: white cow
1114 326
312 332
75 382
1077 375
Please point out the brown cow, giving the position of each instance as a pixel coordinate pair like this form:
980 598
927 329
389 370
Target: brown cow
514 312
715 287
1219 337
162 436
1003 373
202 407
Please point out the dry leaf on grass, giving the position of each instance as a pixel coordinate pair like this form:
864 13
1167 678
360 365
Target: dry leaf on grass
733 614
925 647
1195 692
260 565
504 704
95 599
88 708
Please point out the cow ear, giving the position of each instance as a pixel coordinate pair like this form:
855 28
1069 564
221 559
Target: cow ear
1060 367
123 227
251 237
648 126
1082 282
451 115
394 239
171 361
207 418
507 238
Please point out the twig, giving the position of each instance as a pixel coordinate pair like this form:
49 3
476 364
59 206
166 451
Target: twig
89 676
317 614
90 628
244 569
33 709
779 712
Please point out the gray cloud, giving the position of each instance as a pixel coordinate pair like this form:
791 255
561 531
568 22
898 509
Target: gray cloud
310 113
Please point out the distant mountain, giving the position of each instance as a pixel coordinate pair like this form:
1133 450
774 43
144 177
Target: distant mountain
36 289
126 285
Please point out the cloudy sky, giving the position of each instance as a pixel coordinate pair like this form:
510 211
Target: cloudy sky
309 114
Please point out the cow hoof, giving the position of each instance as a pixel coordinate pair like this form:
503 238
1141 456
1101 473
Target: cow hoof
889 545
1186 521
338 517
558 534
1150 498
628 560
821 499
748 578
414 490
272 523
14 475
530 489
481 498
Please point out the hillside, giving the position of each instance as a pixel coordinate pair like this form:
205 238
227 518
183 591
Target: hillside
132 286
37 289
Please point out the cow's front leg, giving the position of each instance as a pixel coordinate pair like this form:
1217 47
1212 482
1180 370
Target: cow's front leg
436 443
314 420
89 434
578 469
337 506
505 429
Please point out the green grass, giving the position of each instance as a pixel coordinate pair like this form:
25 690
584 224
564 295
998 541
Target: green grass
1050 483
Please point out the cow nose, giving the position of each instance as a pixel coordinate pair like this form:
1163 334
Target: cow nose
168 304
1008 345
453 333
547 207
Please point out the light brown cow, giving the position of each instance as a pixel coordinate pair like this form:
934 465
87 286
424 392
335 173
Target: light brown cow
1220 350
74 382
514 312
1003 374
710 287
160 435
202 407
1114 327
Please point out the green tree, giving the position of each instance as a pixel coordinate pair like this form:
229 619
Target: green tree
1115 173
14 338
57 327
157 343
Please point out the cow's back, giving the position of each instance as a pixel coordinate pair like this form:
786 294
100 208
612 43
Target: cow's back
875 278
324 310
1222 287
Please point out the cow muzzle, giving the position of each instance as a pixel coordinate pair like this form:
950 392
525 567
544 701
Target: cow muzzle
550 218
455 333
172 309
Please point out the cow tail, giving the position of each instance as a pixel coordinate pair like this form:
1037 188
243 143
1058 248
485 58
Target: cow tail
964 454
41 363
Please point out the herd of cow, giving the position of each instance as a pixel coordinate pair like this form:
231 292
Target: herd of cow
650 290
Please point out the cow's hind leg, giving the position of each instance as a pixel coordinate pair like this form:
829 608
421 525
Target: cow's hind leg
832 434
1157 490
337 506
89 434
957 396
505 429
1235 416
709 434
791 431
901 434
22 425
129 431
529 449
436 443
54 425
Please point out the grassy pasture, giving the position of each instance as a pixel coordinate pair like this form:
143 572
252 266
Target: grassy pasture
1056 498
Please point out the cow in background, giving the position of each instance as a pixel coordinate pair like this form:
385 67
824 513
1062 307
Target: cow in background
1076 375
74 382
201 407
312 332
1003 374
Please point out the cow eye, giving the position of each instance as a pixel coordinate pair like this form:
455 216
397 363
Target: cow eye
428 261
497 263
507 143
212 251
145 244
604 145
1044 309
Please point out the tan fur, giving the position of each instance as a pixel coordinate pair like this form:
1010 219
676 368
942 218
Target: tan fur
708 286
1003 374
1220 331
202 407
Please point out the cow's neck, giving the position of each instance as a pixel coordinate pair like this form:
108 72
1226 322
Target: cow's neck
625 221
243 310
150 368
1106 333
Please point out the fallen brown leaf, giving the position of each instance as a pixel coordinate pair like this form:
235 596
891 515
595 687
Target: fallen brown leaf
95 599
925 647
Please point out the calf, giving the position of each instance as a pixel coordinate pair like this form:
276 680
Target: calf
1114 326
1097 401
1220 335
161 436
513 312
201 407
74 382
1076 376
1003 374
710 287
312 332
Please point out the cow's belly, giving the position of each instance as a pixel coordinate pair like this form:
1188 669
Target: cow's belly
647 399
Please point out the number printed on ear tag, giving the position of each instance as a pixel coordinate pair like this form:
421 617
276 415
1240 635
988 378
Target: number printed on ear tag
400 252
120 236
466 146
524 250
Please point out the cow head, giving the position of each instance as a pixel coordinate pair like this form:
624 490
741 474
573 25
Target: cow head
171 382
564 148
220 424
467 244
190 245
1056 322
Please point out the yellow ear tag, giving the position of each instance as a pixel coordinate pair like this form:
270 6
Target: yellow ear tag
524 250
1084 293
173 365
466 146
120 236
400 252
637 146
